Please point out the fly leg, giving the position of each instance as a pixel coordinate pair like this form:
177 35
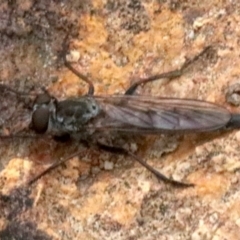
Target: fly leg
54 166
4 88
156 173
170 75
117 150
72 69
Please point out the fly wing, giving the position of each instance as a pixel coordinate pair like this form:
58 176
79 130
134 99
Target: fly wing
154 114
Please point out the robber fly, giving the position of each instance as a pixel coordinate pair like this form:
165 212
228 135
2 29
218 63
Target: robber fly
82 118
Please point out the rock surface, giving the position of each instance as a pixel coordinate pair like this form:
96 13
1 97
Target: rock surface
115 42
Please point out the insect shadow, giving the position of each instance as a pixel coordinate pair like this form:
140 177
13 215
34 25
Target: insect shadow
87 118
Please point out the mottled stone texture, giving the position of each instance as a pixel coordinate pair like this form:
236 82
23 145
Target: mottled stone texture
105 196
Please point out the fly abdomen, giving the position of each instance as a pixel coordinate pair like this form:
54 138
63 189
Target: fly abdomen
234 121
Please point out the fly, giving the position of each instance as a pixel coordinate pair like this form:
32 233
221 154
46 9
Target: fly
84 118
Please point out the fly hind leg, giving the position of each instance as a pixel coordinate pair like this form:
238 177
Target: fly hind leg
156 173
166 75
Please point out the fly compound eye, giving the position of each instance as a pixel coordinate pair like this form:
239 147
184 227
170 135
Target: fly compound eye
40 118
42 99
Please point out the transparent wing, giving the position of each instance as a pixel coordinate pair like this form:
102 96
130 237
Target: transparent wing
154 114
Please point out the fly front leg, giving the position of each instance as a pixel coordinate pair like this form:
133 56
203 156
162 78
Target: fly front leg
4 89
167 75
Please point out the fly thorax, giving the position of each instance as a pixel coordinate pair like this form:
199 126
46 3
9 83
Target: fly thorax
73 115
